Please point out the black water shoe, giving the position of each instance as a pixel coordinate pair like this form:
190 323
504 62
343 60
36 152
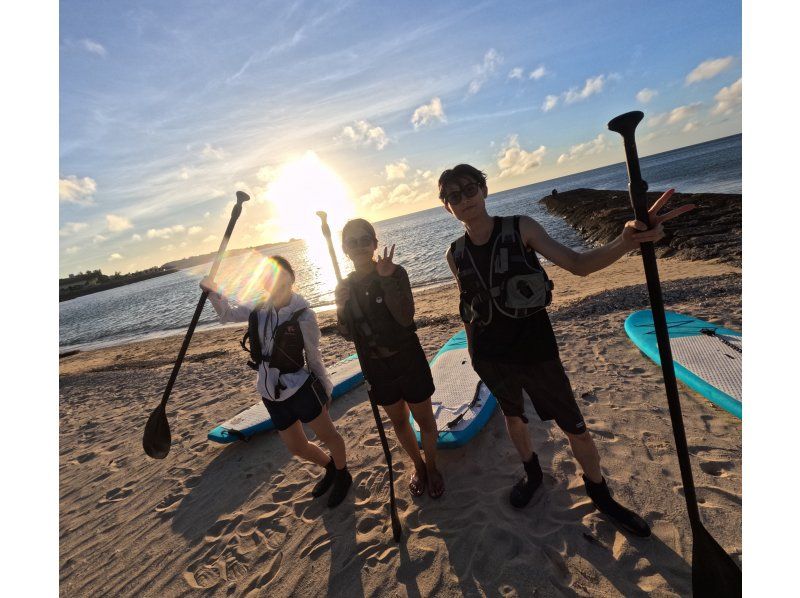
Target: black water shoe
624 518
522 492
341 484
322 486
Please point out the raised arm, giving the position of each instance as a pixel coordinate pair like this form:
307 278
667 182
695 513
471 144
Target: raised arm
227 311
584 263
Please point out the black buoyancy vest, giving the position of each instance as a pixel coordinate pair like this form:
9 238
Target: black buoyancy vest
376 324
287 347
517 285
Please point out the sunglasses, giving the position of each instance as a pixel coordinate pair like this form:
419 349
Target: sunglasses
356 242
454 197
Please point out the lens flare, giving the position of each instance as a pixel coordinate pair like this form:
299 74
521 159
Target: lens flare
248 278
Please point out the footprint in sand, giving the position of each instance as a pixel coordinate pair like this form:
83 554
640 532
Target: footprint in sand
271 569
117 494
85 457
717 468
169 504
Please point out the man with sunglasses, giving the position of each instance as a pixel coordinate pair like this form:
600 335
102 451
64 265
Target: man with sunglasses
504 293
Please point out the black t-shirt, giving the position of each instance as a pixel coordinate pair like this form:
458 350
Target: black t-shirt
506 339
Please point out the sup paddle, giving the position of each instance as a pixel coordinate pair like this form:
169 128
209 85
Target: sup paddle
714 573
397 531
157 438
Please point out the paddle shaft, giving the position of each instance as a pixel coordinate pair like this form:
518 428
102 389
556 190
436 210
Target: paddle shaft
396 529
637 189
237 210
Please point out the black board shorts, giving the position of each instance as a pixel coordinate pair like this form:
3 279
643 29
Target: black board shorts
547 385
404 376
305 405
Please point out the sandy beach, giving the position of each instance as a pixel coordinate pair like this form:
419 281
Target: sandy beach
240 520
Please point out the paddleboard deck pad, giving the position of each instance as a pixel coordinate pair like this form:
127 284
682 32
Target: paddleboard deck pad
707 357
345 376
461 404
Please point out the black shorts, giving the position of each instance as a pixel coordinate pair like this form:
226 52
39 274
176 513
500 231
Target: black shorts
405 376
545 382
304 405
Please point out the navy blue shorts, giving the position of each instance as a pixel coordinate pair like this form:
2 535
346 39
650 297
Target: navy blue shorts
305 405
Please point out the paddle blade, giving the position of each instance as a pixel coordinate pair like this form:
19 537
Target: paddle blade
714 573
157 438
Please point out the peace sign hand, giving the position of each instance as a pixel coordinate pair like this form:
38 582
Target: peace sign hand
636 232
384 265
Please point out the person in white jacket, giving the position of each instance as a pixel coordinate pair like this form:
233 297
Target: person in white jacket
293 392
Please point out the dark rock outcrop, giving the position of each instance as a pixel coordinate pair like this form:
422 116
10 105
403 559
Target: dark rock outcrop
711 231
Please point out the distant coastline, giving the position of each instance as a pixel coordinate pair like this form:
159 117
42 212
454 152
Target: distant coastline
94 281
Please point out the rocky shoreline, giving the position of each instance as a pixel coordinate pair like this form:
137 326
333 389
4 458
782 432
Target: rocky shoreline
713 231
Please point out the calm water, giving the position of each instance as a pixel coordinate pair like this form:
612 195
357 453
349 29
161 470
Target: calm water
164 305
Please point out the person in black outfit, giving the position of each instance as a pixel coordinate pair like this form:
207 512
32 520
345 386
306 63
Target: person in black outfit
510 338
381 321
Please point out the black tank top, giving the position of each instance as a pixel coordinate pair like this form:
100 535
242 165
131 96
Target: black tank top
506 339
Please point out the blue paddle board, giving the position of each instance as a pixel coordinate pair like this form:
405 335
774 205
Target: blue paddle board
345 376
707 357
461 404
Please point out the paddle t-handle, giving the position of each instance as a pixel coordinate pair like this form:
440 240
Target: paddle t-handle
625 125
326 231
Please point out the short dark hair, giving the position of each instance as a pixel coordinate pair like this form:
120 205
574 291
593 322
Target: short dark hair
359 223
452 175
284 264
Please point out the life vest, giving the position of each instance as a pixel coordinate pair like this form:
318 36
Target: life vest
287 347
518 286
376 324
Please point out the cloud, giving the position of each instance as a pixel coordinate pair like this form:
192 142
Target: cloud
72 250
728 98
537 73
114 256
549 103
117 223
194 230
645 95
99 239
592 86
690 126
595 146
491 60
674 116
136 237
420 188
428 113
207 215
709 69
165 233
93 47
513 160
70 228
78 191
396 170
515 73
365 134
266 174
209 152
210 238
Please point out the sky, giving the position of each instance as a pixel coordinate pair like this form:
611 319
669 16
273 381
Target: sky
166 109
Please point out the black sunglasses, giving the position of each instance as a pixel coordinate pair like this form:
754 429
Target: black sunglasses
355 242
454 197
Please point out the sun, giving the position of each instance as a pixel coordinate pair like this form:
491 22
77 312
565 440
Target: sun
304 187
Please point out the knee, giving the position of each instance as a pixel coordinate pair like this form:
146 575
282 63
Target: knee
427 425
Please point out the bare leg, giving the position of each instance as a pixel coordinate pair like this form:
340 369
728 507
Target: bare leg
326 432
398 414
295 439
423 415
520 437
585 452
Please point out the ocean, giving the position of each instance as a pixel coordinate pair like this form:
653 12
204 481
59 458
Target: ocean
164 306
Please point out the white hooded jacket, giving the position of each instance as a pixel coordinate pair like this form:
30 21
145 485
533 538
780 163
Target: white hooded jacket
268 320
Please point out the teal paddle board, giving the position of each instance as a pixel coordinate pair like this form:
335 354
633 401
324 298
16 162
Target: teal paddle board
707 357
345 376
461 404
